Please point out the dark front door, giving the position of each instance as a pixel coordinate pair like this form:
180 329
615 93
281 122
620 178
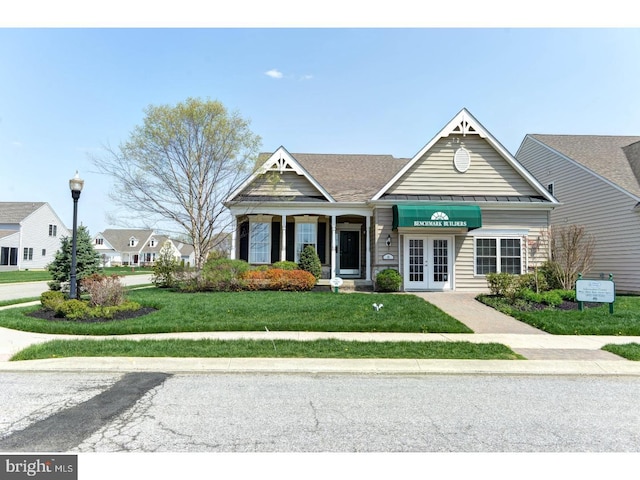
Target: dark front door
349 252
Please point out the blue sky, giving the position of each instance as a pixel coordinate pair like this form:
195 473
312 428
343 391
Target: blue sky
65 93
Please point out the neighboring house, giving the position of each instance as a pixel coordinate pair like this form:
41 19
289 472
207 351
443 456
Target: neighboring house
132 247
461 208
30 235
597 180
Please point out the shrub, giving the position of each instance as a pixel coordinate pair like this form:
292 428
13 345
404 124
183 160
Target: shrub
165 268
388 280
551 271
551 298
104 291
536 281
51 300
286 265
310 262
500 283
530 296
72 309
110 311
220 275
278 279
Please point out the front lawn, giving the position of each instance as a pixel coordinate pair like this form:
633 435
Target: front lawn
595 320
266 348
255 311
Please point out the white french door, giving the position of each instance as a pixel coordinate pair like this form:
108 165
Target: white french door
428 263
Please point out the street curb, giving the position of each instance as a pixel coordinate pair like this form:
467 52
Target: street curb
325 366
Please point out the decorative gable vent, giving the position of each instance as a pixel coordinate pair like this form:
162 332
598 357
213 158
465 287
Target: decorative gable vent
283 164
464 127
462 160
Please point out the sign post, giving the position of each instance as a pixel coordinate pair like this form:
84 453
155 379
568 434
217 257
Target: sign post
599 291
336 283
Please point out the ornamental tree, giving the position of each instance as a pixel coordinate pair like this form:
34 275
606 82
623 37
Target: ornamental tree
87 260
176 169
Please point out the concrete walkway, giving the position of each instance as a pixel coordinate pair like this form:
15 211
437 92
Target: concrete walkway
545 353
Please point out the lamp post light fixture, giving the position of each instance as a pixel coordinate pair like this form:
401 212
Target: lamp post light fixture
75 185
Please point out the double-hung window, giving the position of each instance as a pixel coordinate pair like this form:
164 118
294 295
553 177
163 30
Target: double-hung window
27 254
306 234
260 239
498 255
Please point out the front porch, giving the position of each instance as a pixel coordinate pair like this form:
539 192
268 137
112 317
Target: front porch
342 241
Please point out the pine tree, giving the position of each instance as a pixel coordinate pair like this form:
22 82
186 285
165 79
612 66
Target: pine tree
87 260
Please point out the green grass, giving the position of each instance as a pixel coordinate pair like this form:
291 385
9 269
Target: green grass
266 348
253 311
630 351
17 301
25 276
44 275
592 321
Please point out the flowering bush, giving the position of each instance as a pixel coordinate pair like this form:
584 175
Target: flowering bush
279 279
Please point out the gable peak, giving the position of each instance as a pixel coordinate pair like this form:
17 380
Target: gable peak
282 161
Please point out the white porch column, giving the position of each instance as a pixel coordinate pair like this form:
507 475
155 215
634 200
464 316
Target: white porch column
234 233
283 239
333 246
368 248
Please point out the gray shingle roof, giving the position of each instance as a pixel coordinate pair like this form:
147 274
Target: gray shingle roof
351 177
612 157
15 212
119 238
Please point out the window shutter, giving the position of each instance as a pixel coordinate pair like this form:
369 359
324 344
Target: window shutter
244 241
322 242
291 241
275 242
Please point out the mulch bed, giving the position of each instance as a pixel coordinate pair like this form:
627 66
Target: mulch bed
565 305
125 315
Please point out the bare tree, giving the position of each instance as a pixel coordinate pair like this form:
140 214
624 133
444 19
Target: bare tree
571 253
176 169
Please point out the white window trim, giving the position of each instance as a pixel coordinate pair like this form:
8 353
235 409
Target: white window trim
260 219
498 248
304 219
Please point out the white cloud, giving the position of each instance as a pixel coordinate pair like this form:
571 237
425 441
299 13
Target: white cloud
306 77
16 144
273 73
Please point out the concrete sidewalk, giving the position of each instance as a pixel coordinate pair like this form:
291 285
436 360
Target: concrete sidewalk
545 353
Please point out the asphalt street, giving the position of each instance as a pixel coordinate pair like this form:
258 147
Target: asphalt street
154 412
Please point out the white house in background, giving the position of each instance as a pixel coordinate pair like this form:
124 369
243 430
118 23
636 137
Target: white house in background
30 235
135 247
597 180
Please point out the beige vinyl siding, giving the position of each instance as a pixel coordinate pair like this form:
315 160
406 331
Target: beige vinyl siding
382 223
488 174
607 212
535 221
286 184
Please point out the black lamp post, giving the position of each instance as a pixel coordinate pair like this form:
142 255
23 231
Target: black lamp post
75 184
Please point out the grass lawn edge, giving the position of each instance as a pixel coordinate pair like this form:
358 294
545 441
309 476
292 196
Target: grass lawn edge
325 349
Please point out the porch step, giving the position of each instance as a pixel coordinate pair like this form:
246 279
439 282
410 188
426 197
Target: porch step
348 285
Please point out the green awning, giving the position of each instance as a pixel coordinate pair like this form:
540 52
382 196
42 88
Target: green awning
437 216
